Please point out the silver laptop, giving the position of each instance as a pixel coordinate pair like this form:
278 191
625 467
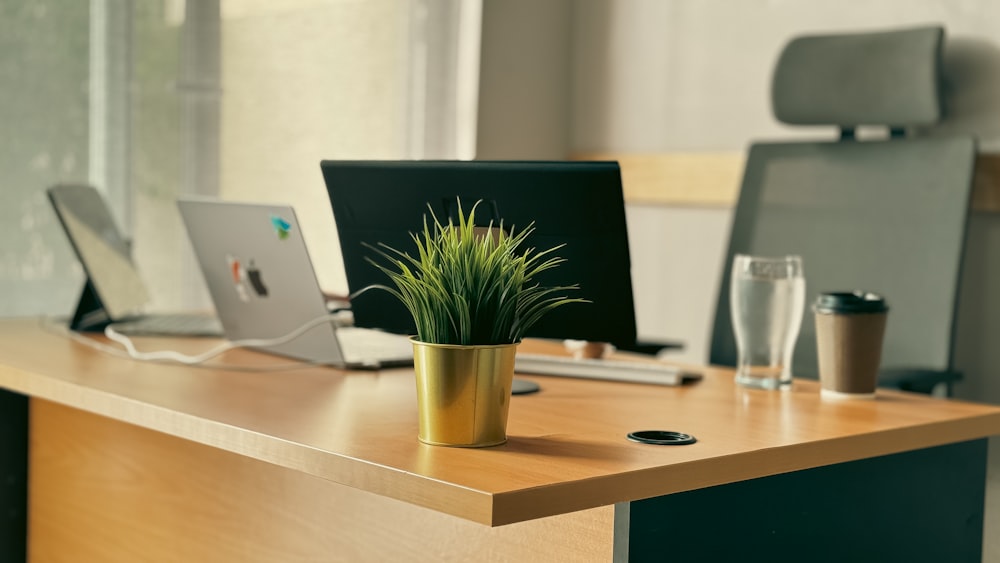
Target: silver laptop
114 292
258 271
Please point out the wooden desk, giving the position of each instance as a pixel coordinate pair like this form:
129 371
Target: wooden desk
138 461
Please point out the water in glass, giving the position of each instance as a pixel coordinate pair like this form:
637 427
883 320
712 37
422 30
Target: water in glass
767 300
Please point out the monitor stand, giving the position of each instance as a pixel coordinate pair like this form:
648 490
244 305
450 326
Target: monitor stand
523 387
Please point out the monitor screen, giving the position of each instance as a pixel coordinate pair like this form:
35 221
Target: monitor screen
578 204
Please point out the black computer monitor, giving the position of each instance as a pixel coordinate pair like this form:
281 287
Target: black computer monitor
578 204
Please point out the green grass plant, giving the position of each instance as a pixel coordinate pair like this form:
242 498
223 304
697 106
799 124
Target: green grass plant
467 287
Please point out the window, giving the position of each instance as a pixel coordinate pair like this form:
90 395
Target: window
238 99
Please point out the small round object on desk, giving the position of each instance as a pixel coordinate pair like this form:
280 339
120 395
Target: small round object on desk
523 387
661 437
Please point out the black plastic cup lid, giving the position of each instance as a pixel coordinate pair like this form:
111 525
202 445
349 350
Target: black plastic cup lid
850 302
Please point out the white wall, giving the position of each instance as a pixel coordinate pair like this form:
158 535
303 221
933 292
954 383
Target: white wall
659 75
297 92
524 86
677 256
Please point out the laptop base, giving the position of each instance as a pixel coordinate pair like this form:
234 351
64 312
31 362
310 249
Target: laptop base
91 316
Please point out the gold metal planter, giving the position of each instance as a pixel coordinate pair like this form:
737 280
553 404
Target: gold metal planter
463 393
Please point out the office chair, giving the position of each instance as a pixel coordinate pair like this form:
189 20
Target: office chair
887 216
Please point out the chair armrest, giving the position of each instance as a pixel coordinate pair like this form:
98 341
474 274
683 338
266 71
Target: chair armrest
920 380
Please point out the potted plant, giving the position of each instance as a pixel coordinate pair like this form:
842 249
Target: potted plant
472 295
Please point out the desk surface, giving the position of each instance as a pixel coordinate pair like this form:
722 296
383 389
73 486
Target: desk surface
566 451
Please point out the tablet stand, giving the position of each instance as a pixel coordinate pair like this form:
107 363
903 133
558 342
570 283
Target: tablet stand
90 314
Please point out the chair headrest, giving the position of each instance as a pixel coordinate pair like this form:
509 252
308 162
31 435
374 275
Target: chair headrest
887 78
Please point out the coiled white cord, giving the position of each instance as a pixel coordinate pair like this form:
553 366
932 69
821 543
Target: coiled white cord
174 356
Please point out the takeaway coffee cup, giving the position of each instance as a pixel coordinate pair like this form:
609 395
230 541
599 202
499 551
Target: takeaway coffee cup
849 331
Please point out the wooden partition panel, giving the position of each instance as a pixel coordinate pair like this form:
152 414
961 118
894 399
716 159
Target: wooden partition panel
103 490
712 179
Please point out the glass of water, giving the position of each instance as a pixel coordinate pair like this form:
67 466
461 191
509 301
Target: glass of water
767 298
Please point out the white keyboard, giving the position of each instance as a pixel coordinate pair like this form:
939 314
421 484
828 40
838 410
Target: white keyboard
364 345
599 368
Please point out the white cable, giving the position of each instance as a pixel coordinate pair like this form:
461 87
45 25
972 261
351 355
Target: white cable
366 289
48 323
173 356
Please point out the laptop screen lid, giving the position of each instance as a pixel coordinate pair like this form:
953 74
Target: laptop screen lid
261 279
102 250
114 293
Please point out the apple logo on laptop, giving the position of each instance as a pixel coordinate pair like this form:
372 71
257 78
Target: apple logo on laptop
256 281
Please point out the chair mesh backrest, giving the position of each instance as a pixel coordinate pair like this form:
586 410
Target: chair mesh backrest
886 216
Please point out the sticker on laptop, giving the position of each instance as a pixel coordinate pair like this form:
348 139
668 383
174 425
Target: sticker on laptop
247 279
281 227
